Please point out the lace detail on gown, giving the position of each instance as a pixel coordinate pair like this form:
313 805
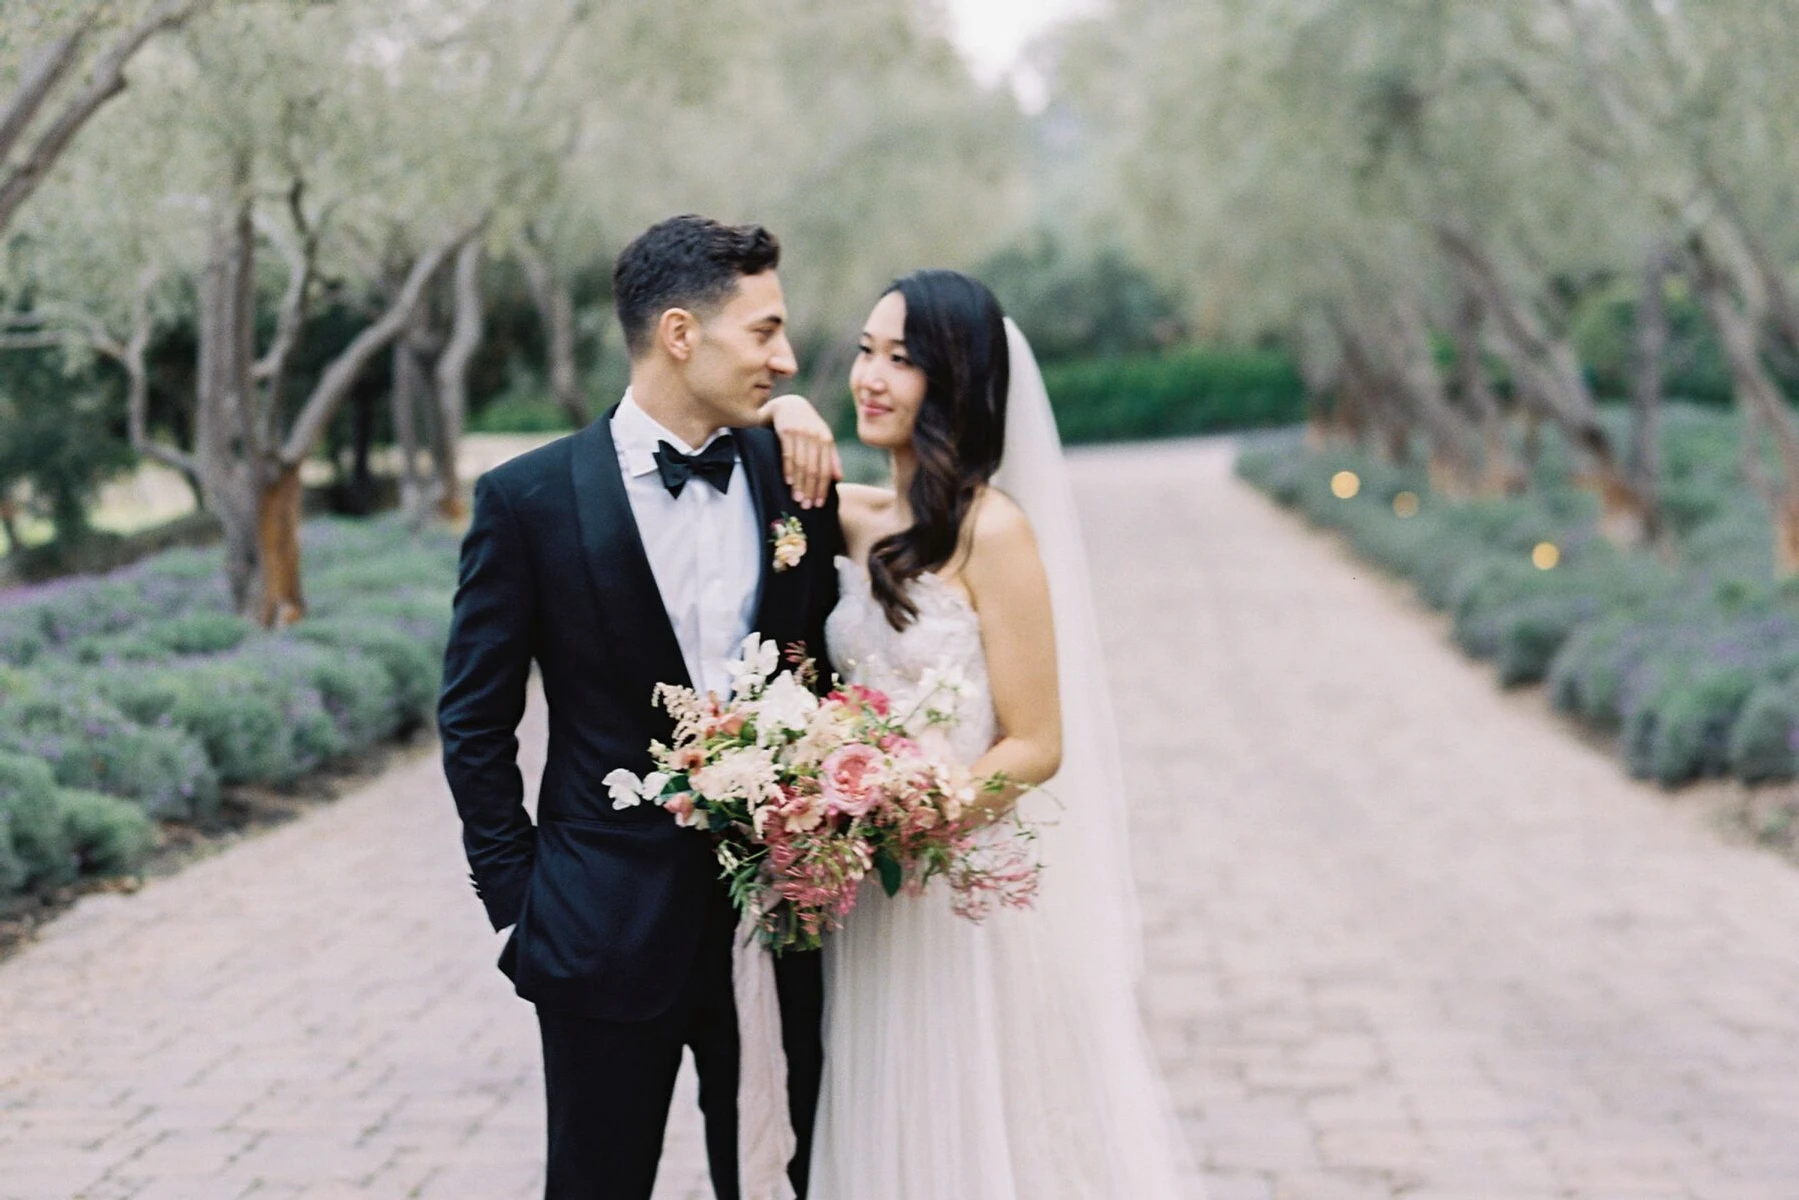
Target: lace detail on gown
956 1067
947 632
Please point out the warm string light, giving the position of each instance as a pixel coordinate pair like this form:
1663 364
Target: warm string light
1405 505
1546 556
1345 485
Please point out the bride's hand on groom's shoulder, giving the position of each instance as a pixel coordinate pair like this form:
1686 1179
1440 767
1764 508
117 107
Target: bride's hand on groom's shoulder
809 459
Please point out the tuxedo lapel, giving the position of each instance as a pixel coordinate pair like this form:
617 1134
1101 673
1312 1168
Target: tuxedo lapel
617 565
761 476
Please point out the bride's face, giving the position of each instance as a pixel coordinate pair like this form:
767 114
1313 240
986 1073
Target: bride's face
888 386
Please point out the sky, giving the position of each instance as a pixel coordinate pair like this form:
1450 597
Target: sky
992 33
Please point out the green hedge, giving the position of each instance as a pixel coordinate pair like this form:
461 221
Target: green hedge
1691 659
143 690
1186 392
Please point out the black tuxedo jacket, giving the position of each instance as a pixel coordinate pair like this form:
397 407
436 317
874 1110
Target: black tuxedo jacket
606 906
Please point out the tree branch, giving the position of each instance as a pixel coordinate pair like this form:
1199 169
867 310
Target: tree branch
137 387
45 340
301 261
55 62
452 376
555 307
107 81
343 370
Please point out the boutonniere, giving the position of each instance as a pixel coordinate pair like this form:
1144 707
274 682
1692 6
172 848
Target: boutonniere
790 543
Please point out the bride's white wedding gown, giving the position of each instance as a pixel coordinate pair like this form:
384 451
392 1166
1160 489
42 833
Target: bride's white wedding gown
965 1061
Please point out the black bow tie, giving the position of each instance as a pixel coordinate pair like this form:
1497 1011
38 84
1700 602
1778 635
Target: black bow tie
713 464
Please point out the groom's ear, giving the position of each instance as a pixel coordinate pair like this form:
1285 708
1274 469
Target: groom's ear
678 332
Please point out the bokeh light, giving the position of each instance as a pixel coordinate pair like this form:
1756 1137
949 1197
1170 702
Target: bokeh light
1405 505
1345 485
1546 556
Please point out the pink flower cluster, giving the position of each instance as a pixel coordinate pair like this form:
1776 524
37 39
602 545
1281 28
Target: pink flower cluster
807 796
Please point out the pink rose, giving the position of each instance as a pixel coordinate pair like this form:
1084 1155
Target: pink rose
864 697
850 779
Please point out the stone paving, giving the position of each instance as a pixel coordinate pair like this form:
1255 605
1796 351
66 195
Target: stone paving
1406 937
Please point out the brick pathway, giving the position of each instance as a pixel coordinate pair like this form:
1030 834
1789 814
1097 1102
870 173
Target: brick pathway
1406 938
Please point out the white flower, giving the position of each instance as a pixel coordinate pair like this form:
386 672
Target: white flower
947 677
826 729
626 788
756 662
743 774
784 707
653 783
939 694
789 543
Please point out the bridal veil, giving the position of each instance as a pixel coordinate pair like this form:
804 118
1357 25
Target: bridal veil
1081 944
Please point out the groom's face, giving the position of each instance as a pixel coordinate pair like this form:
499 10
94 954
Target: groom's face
742 352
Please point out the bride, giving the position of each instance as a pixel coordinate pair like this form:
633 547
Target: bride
1004 1060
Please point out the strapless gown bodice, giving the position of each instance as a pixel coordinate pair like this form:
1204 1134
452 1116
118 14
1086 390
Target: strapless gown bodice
938 650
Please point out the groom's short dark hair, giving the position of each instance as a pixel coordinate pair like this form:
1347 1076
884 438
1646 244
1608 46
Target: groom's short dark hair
689 262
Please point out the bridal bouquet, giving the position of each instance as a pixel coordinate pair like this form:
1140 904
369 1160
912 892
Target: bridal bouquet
806 796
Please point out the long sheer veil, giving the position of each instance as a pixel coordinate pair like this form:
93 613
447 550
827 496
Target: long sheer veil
1086 925
1089 826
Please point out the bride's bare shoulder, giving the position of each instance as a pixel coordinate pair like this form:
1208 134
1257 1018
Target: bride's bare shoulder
864 495
997 535
997 520
861 500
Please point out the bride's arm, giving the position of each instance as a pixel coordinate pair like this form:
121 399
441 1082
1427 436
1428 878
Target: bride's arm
809 459
1005 576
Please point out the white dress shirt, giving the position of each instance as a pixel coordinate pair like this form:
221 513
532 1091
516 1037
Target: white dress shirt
704 546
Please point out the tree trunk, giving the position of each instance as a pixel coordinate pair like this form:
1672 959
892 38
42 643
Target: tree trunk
1415 370
251 483
1501 474
1546 372
278 547
409 386
1643 462
225 449
452 381
9 512
1374 396
1762 403
1321 416
556 309
361 486
1556 393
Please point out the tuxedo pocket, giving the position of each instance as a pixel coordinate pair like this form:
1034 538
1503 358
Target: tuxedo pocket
613 902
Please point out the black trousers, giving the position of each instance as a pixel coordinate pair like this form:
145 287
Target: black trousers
608 1084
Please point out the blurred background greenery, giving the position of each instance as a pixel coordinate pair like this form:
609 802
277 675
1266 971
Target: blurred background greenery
1529 263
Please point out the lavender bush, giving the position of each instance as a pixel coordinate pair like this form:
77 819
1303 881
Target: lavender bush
1691 659
136 695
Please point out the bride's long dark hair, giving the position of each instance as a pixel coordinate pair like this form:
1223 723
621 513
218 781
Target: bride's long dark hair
955 334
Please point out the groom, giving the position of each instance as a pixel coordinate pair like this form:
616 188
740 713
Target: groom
635 552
